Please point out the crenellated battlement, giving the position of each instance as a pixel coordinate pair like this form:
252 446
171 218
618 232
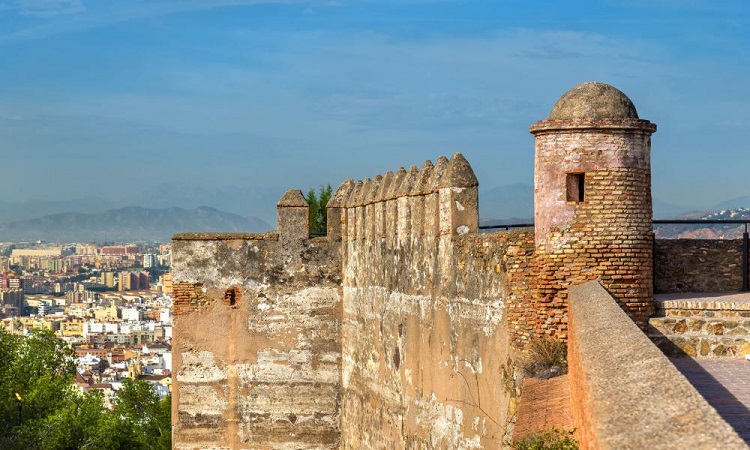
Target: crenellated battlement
436 200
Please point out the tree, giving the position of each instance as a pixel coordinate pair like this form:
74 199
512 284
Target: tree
318 212
40 407
75 425
36 379
143 416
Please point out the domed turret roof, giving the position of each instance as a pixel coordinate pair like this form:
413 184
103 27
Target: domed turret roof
593 101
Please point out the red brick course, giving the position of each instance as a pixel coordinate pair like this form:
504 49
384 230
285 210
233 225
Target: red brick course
544 404
187 297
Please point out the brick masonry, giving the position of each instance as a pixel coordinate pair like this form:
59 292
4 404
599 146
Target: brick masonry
605 236
544 404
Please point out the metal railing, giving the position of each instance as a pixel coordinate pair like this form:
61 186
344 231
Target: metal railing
702 221
505 226
745 237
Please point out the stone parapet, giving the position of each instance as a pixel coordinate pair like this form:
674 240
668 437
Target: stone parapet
434 200
727 304
625 392
207 236
293 221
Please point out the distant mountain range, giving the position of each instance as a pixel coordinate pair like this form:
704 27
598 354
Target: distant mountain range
172 208
31 209
699 231
161 212
735 203
244 201
249 201
128 224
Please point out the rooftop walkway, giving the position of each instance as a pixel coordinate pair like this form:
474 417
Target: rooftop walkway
717 327
725 384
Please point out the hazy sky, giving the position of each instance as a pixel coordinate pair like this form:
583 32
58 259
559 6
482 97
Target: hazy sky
103 97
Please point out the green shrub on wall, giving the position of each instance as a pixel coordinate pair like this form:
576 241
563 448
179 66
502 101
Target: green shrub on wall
550 439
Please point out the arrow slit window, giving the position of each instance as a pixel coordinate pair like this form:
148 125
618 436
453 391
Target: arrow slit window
575 187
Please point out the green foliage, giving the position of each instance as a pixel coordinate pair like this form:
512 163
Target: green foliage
73 425
546 358
143 416
40 408
318 213
36 378
550 439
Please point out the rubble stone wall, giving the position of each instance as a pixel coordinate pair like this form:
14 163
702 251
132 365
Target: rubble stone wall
698 265
388 333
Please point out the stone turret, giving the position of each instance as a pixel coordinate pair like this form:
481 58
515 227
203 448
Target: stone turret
592 200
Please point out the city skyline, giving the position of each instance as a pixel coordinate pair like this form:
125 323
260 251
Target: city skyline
108 99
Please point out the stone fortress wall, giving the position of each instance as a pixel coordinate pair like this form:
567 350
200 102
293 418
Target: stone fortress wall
422 342
698 265
286 341
257 352
394 330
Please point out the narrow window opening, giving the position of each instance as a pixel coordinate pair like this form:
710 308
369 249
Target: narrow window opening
230 296
575 187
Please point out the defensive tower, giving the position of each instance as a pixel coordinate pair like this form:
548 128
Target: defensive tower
592 201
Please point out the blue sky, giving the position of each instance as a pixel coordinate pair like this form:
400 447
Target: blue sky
102 97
